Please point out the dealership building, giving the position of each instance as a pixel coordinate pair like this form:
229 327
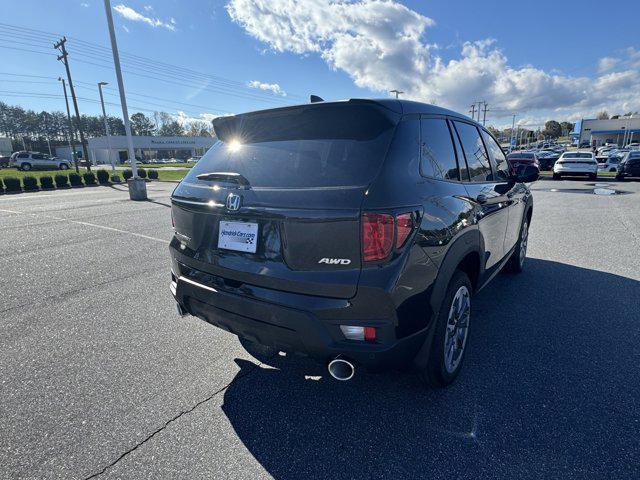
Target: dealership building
616 130
145 147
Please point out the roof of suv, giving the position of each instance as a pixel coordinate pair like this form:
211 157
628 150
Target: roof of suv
402 107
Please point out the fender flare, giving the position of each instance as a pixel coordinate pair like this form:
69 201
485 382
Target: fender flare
468 242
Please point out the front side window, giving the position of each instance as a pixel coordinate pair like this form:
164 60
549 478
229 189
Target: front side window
438 158
38 156
496 155
474 152
23 155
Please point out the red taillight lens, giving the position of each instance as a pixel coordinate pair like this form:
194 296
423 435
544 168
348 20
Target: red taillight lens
369 334
405 225
377 236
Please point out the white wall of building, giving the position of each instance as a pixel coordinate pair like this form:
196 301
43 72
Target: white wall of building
602 131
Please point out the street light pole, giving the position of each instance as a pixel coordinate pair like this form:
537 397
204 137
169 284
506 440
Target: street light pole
72 143
137 187
106 129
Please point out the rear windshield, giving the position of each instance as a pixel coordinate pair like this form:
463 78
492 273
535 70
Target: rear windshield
577 155
306 147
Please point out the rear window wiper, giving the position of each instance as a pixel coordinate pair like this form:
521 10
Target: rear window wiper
230 177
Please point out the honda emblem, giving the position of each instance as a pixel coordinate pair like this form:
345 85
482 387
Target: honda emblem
233 202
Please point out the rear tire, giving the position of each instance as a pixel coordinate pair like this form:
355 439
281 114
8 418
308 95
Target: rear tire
515 264
451 335
556 176
64 166
25 167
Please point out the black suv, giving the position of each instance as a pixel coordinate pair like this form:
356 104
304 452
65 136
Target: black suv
629 166
354 232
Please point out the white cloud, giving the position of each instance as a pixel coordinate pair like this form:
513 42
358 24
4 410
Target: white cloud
85 5
607 63
272 87
382 45
130 14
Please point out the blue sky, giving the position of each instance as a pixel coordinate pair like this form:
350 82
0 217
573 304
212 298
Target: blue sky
560 60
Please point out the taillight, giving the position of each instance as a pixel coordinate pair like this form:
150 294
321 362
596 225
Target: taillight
377 236
404 222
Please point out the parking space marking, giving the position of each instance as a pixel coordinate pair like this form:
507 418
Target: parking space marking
88 224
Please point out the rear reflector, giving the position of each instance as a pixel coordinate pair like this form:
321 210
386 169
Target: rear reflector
377 236
405 225
370 334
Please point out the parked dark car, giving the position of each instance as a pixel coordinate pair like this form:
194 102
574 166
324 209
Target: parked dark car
629 166
4 162
353 232
517 159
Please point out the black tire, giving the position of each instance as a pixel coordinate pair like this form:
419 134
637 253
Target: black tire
593 176
25 167
556 176
620 178
515 264
64 166
436 373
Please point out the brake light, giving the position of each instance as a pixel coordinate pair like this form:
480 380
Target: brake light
404 222
369 334
377 235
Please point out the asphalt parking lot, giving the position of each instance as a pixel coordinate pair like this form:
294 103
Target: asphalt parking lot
101 378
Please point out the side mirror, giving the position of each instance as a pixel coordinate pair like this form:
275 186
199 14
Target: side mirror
526 174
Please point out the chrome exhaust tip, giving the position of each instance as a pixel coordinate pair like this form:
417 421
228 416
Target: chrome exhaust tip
341 369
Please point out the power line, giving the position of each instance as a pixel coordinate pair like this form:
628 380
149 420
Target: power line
90 48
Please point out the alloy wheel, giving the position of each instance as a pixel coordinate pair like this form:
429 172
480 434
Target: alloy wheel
457 331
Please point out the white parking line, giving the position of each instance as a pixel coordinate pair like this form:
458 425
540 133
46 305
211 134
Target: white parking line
88 224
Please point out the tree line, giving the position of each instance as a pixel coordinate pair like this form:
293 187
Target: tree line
31 130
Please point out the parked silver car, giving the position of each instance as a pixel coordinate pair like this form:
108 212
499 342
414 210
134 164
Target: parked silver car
37 161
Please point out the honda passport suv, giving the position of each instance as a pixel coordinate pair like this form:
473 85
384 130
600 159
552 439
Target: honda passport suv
354 232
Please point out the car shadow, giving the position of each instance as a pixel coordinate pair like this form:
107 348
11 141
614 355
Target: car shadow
548 389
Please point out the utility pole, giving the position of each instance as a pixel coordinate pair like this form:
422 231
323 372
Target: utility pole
106 129
397 92
61 46
473 111
484 113
137 187
513 126
72 143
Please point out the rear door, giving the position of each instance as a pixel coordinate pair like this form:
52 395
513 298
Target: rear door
276 202
487 193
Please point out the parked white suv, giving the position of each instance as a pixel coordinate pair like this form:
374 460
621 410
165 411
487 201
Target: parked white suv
37 161
576 163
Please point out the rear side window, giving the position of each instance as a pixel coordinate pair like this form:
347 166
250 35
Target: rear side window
23 155
38 156
496 155
474 152
308 147
438 158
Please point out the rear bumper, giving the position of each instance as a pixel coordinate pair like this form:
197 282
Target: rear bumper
296 323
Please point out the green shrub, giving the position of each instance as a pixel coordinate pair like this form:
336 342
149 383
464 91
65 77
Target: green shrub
103 176
89 178
153 174
46 182
127 174
75 179
30 183
142 173
12 184
62 180
1 187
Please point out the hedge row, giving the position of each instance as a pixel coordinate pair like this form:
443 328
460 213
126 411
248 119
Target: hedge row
61 180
